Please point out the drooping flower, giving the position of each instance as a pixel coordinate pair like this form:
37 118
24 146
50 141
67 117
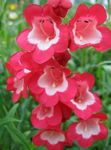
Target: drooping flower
14 65
18 87
86 28
20 66
60 7
43 117
85 132
84 103
16 83
21 69
52 85
51 138
46 36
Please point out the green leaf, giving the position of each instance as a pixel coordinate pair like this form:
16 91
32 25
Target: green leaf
18 136
9 116
12 111
7 121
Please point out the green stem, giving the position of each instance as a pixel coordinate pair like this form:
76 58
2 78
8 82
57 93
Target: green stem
109 8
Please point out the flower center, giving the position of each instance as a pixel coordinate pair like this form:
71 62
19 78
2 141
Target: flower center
52 137
56 75
47 28
45 112
84 25
19 85
86 32
88 128
79 98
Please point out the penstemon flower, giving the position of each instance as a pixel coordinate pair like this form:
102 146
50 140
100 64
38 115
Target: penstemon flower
46 35
53 138
85 132
43 116
84 103
52 83
86 28
41 68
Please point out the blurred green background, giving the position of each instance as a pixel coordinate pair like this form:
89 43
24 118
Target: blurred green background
15 128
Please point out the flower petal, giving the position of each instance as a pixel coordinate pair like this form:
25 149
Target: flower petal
96 10
105 43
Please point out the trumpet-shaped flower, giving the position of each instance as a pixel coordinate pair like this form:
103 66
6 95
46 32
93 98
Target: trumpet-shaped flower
86 28
46 36
52 85
84 103
51 138
43 116
85 132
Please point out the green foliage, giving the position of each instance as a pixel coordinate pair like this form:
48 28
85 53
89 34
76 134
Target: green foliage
15 129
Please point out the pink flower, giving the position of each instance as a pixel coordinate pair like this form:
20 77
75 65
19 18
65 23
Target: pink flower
29 64
43 116
60 7
87 30
20 66
17 83
18 87
21 69
40 67
46 36
51 138
52 85
84 103
85 132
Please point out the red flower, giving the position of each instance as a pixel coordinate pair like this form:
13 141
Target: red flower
51 138
18 87
21 69
85 132
62 58
46 36
84 103
14 65
52 85
20 66
60 7
66 112
86 29
43 116
17 83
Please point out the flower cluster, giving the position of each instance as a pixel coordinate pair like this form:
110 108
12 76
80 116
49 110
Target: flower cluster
41 68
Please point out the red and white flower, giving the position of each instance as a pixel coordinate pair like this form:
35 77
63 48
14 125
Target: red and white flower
21 69
46 35
20 66
87 30
43 116
85 132
41 68
84 103
18 87
17 83
52 85
60 7
51 138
